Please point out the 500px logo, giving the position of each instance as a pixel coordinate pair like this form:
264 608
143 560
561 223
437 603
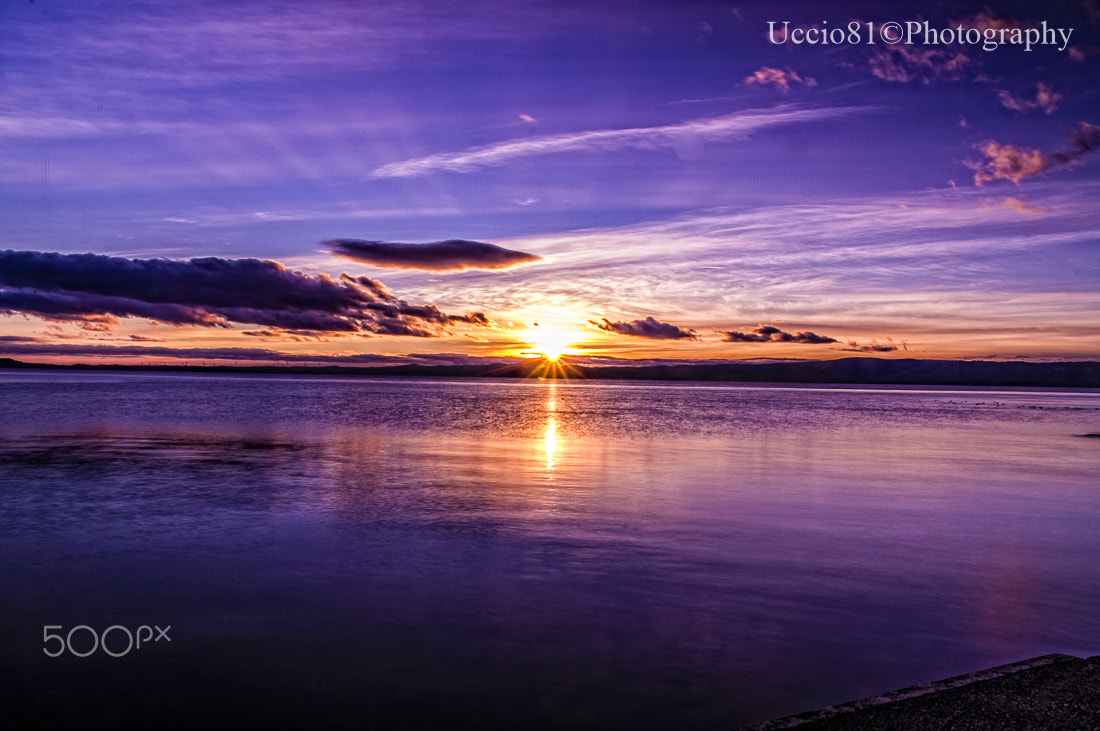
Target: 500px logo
99 641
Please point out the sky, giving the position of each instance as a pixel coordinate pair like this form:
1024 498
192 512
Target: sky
381 182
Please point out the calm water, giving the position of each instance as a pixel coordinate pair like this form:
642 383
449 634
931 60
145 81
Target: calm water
334 551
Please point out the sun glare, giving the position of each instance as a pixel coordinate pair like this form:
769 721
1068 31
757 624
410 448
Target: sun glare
550 342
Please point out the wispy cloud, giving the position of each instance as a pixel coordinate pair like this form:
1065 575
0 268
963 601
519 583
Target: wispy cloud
208 292
1046 100
210 42
909 265
442 256
903 63
67 127
986 19
729 127
1016 204
1080 54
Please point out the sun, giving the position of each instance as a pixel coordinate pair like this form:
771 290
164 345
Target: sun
551 342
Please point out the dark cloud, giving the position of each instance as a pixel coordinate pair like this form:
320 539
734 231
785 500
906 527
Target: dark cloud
209 292
647 328
906 62
1085 139
82 306
1006 162
441 256
241 356
162 353
874 347
772 334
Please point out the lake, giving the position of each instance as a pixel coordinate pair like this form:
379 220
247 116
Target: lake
494 552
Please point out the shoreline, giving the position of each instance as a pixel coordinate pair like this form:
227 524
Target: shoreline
1045 692
844 371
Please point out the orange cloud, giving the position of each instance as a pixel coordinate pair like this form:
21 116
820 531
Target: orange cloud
1007 162
778 78
1016 204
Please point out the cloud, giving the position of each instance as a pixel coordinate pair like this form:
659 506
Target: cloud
209 292
767 76
31 348
647 328
756 264
986 20
1006 162
1016 204
772 334
731 126
145 351
874 347
906 62
1046 100
63 127
903 63
76 306
1085 139
441 256
1080 54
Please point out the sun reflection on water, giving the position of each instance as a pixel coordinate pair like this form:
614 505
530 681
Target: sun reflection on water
551 438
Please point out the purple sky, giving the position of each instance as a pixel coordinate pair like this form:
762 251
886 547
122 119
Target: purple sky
641 179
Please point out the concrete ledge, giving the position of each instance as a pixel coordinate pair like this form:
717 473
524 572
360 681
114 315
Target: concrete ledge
1048 692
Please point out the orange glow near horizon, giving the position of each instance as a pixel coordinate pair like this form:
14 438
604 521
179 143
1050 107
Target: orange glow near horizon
134 342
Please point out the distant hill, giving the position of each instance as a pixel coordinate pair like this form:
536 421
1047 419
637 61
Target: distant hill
10 363
908 371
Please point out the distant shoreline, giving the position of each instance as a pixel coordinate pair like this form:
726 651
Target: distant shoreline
855 371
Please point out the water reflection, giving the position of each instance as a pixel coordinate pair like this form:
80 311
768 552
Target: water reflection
772 550
551 438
